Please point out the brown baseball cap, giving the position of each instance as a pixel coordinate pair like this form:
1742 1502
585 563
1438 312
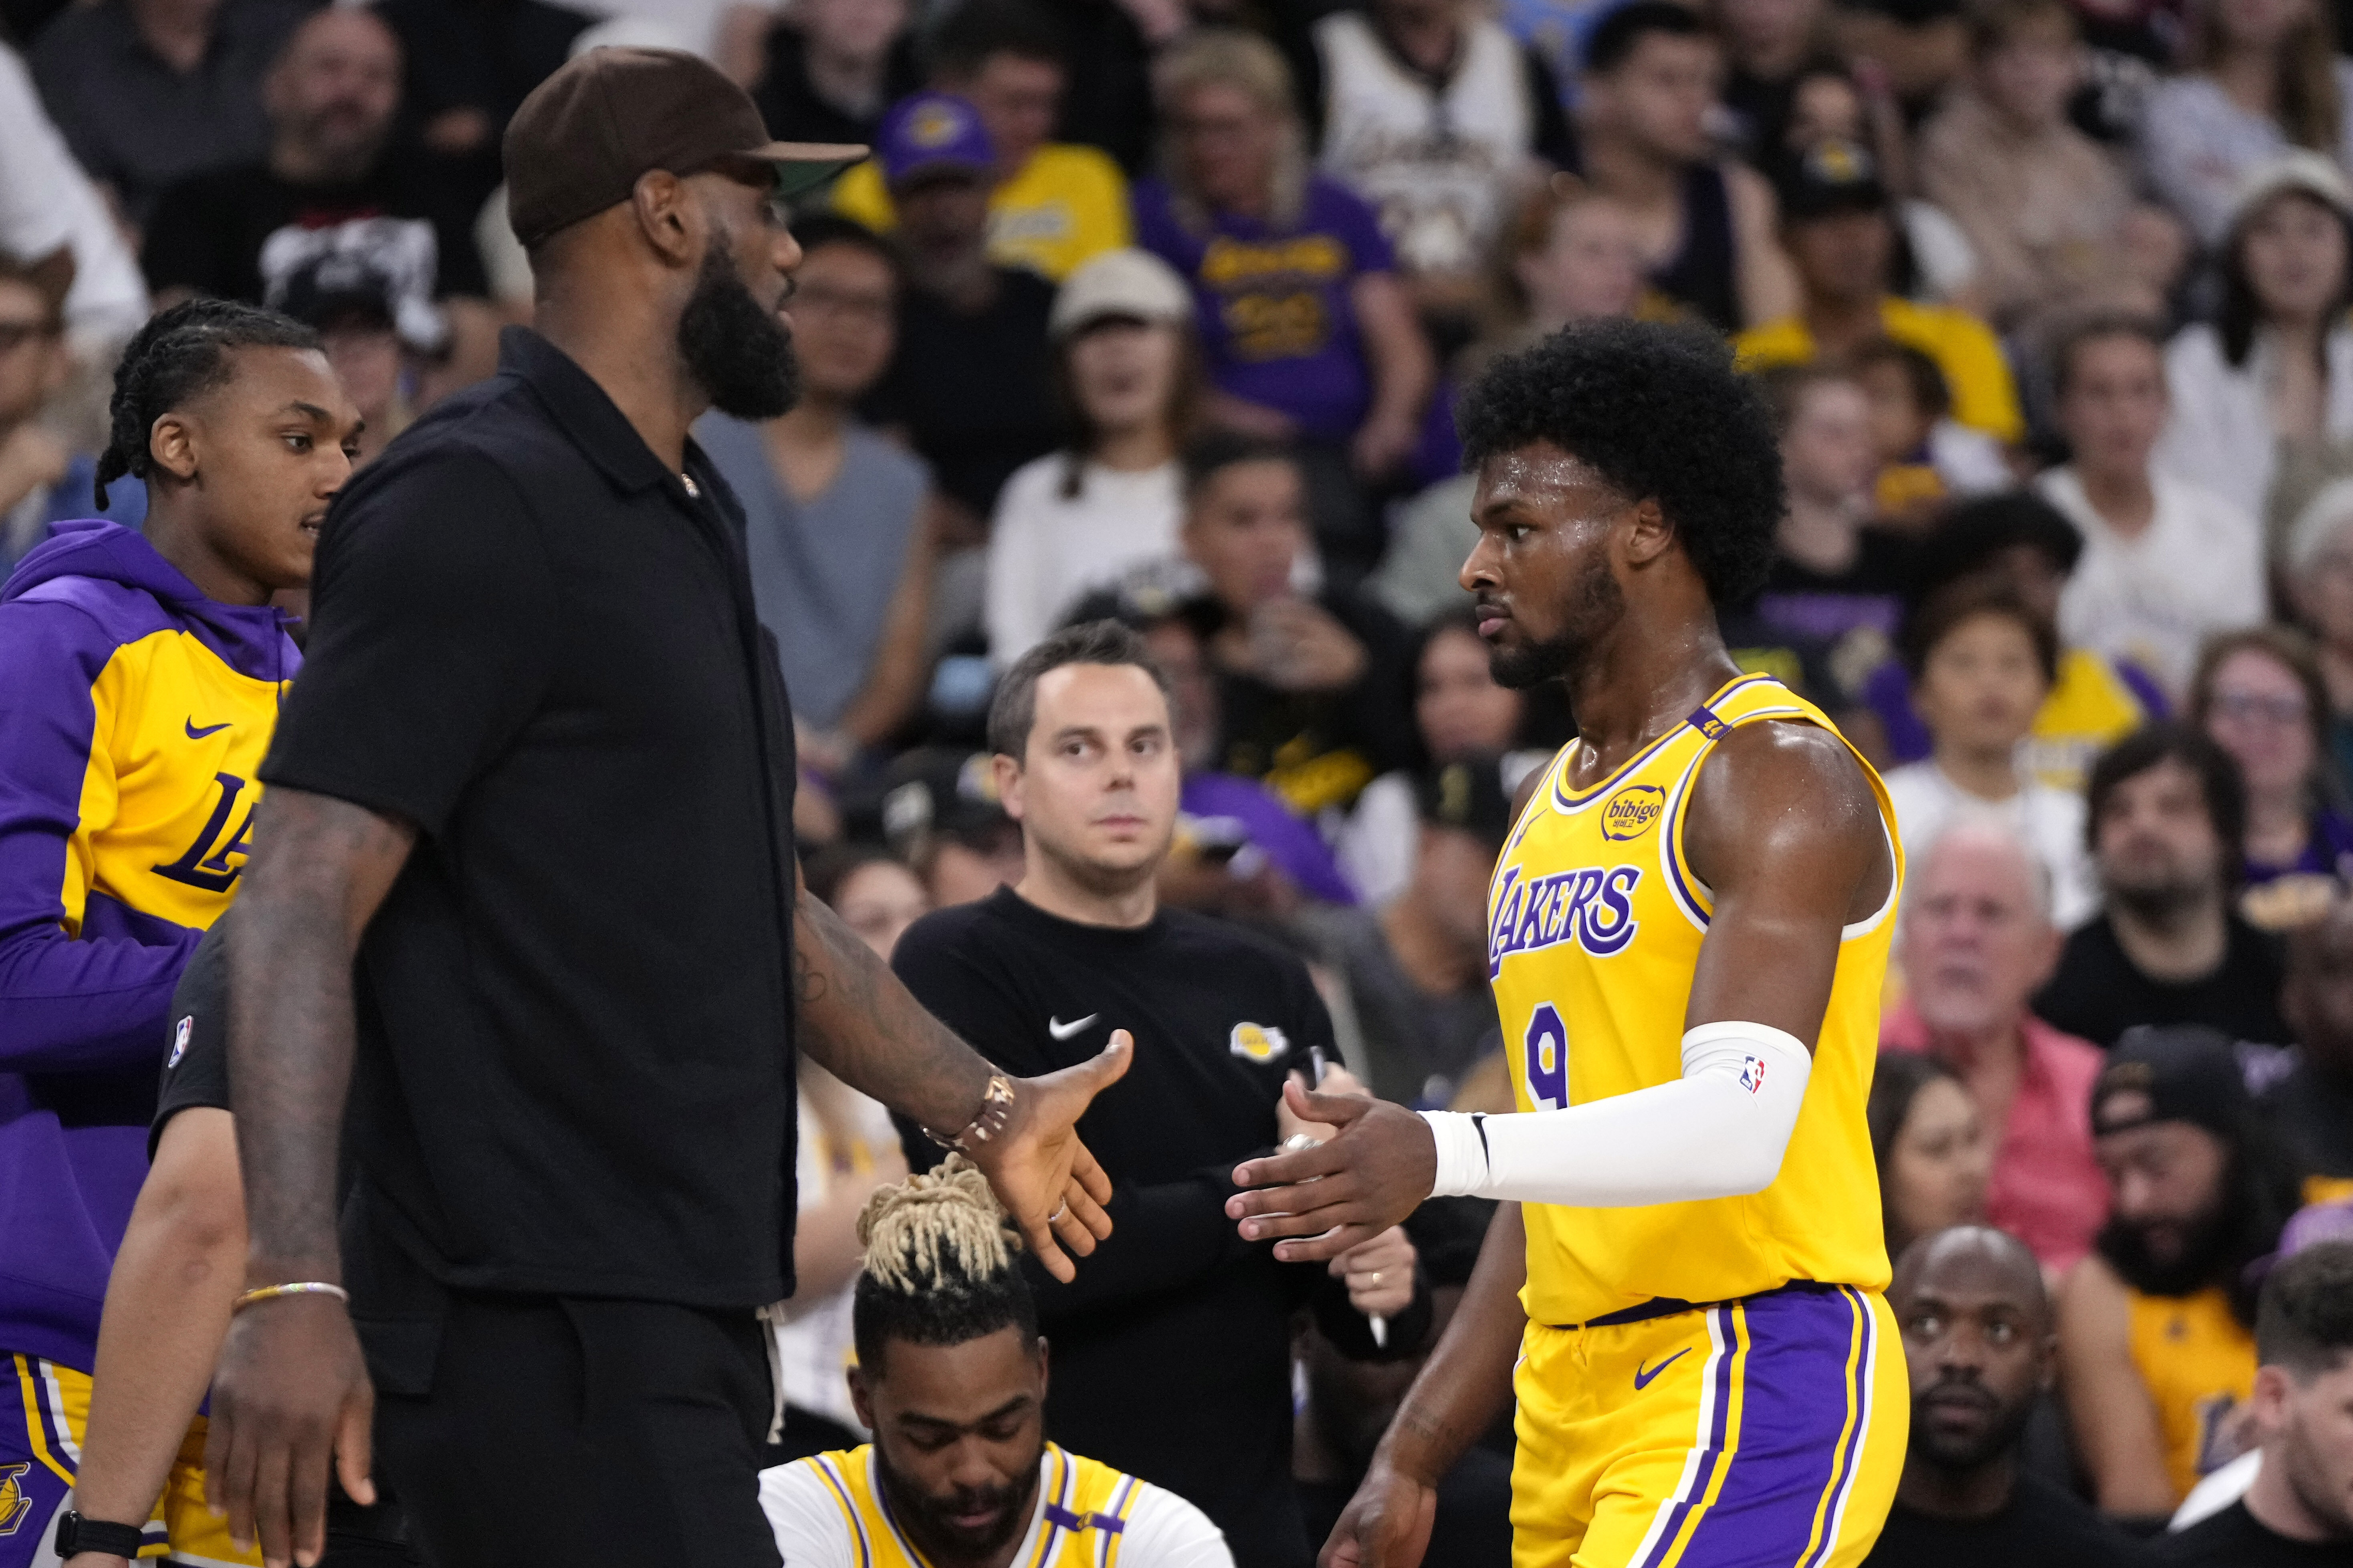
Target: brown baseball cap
579 141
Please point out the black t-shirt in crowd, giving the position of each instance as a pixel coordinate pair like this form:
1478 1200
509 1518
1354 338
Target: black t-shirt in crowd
1172 1349
2236 1538
2097 993
2043 1527
231 233
535 644
973 392
1320 748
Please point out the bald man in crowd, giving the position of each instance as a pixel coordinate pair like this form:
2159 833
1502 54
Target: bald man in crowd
1976 941
1982 1346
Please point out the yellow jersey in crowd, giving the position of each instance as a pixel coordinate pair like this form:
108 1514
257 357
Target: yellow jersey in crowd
1067 204
2198 1362
1984 396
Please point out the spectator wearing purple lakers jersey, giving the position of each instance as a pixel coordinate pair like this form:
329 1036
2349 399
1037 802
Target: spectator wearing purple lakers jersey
1309 334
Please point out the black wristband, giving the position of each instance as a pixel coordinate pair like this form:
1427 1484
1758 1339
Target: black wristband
75 1533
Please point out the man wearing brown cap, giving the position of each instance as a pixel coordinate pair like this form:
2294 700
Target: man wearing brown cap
526 861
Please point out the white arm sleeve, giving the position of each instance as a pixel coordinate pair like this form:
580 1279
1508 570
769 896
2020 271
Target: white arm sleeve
810 1530
1164 1531
1717 1132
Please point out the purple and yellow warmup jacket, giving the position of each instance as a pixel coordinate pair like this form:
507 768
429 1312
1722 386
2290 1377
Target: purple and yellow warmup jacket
133 714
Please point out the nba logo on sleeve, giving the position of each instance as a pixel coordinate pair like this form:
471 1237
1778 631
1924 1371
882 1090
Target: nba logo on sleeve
180 1041
1752 1073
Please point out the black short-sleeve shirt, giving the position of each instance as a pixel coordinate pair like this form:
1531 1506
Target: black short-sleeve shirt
537 645
196 1069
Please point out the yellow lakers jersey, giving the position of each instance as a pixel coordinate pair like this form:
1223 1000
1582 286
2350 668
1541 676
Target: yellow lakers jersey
165 817
2198 1361
1594 931
1079 1525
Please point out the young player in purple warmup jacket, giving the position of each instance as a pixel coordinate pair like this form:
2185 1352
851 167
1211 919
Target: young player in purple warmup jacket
143 675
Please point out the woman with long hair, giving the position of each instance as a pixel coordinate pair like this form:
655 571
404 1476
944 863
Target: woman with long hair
1309 332
2259 695
2271 378
1127 366
2262 77
1929 1140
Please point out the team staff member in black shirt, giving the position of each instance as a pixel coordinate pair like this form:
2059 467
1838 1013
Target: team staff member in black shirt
537 777
1172 1348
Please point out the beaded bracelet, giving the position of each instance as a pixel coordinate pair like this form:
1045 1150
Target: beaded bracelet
299 1287
995 1113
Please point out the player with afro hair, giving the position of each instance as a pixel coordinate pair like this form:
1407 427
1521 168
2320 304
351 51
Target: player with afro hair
1688 932
1657 412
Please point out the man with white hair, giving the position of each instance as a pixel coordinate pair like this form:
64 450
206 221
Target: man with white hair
1977 939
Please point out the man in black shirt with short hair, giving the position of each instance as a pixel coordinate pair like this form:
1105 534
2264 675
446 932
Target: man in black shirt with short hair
1172 1349
2165 815
536 778
2298 1512
1978 1334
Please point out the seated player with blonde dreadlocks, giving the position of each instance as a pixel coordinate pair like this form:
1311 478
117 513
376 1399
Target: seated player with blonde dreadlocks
952 1380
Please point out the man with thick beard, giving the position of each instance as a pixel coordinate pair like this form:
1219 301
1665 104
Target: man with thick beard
951 1379
1688 935
537 780
2155 1338
1979 1336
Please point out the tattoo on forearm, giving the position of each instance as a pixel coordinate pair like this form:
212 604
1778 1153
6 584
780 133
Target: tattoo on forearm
316 861
858 1020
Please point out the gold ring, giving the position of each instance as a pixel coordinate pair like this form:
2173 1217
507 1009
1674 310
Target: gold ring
1376 1277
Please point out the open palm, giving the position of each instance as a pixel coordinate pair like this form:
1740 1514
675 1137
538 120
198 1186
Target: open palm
1041 1171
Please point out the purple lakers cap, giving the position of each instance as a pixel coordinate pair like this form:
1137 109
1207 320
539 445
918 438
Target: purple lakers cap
933 131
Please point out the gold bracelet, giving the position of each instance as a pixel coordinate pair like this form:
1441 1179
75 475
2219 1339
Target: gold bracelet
996 1112
299 1287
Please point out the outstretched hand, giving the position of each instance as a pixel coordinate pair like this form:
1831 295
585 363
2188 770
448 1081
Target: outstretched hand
1046 1178
1345 1191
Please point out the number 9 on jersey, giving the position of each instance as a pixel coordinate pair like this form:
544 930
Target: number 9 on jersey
1546 1060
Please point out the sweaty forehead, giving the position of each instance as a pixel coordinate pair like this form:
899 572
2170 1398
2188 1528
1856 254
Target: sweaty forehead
1541 472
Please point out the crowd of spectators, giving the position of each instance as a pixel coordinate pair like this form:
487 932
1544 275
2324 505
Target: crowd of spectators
1156 310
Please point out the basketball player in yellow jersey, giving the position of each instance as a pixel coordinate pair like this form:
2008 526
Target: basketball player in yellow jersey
1688 933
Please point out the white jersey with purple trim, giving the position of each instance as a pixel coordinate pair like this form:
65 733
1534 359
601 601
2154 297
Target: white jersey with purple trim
828 1511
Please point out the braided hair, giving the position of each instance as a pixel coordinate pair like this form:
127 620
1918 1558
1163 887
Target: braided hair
179 355
940 1266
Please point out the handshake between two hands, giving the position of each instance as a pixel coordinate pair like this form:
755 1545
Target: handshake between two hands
1312 1187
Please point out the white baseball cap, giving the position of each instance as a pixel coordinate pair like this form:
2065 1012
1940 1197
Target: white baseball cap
1128 282
2300 169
